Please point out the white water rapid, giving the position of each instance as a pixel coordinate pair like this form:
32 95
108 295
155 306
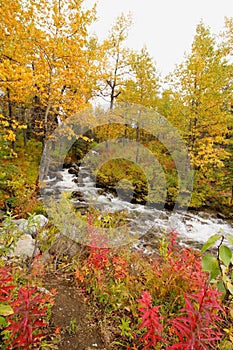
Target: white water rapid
194 229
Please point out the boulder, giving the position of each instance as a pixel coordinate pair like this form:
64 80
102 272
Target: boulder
33 225
75 166
73 171
27 230
77 195
25 247
221 216
63 246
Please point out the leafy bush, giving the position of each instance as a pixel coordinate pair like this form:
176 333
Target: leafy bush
220 265
178 309
23 312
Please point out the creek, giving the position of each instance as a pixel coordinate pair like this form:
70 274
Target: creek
194 228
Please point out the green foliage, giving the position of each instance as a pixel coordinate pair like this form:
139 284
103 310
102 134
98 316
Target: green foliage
18 180
8 234
6 310
220 265
72 328
126 331
111 174
211 241
210 264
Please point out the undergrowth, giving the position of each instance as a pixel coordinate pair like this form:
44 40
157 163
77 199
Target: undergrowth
160 301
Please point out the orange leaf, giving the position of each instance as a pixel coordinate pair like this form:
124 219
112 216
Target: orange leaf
53 291
58 330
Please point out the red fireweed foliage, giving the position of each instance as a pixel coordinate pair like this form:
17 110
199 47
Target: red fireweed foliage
5 283
28 312
173 243
181 262
197 327
151 321
98 257
188 265
27 319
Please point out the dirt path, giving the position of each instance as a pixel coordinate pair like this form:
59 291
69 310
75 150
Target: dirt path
76 321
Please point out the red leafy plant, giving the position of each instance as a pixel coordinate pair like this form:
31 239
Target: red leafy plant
27 318
28 313
98 257
151 321
197 327
5 284
120 267
98 254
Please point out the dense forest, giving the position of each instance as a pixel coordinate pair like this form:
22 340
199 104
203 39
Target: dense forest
71 100
52 68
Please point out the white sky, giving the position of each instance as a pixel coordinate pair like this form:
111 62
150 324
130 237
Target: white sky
166 27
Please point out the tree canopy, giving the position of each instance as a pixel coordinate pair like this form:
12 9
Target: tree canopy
51 67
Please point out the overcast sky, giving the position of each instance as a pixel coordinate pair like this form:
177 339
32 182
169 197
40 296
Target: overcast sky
166 27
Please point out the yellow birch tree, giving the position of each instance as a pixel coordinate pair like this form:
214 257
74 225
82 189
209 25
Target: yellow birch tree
198 99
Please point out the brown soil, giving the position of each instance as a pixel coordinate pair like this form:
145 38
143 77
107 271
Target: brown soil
75 321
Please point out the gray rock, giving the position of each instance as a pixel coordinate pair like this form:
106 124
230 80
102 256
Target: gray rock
25 247
73 171
26 231
65 246
32 226
75 166
41 219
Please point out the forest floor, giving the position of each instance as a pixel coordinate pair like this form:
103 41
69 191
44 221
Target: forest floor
76 322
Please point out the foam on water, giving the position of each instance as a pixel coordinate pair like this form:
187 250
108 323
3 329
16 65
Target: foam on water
67 183
192 227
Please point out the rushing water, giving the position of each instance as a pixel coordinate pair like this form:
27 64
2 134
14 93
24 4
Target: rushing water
193 228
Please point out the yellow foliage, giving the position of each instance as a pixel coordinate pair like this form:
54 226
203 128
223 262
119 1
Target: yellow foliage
9 136
43 54
5 123
85 138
